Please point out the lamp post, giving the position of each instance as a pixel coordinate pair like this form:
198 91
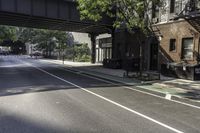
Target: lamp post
159 57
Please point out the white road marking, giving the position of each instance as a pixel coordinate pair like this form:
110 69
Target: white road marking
168 96
110 101
130 88
183 103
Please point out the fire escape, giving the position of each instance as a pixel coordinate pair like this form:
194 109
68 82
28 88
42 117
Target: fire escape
152 21
191 13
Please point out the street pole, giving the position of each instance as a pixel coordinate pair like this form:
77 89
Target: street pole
141 60
73 58
63 59
31 50
63 56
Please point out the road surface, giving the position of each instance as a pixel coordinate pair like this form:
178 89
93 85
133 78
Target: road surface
39 97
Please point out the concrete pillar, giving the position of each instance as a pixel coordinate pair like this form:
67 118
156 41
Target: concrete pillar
93 48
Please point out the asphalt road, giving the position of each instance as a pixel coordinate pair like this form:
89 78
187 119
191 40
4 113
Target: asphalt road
39 97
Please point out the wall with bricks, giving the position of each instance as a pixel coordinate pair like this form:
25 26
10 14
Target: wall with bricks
176 30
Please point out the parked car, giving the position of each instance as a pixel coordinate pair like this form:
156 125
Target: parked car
4 53
36 54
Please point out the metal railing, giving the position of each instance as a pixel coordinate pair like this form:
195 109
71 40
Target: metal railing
182 9
192 7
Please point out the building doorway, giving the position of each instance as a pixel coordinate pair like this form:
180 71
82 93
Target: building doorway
103 49
154 56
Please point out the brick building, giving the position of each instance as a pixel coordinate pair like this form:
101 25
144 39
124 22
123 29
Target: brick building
177 25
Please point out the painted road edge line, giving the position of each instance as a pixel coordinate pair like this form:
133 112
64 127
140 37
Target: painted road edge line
130 88
183 103
110 101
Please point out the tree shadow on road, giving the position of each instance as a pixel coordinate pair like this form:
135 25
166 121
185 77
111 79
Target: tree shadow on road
28 80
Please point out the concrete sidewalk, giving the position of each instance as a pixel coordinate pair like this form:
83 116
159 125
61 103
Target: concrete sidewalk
175 87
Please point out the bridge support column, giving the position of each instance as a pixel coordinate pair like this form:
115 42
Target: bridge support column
93 48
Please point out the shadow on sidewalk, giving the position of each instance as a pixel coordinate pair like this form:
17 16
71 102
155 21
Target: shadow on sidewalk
193 95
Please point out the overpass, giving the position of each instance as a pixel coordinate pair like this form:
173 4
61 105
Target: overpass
50 14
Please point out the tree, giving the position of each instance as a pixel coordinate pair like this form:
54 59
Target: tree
62 39
27 35
82 52
78 52
45 40
127 13
18 47
53 40
61 48
7 33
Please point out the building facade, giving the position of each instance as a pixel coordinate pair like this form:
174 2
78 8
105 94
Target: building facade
103 44
103 47
180 38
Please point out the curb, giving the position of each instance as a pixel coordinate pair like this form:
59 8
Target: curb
166 96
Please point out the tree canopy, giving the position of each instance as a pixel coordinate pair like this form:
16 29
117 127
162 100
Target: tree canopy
7 33
46 40
128 13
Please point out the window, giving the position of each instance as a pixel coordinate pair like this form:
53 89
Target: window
172 6
172 45
187 48
155 11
